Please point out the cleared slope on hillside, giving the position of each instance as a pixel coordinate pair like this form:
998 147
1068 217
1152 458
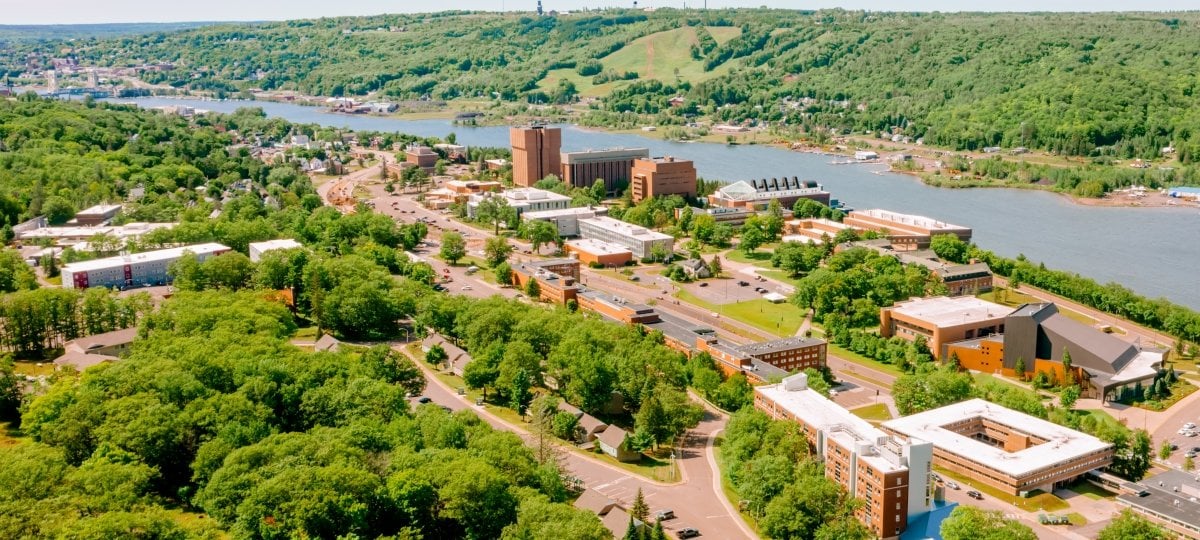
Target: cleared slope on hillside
665 56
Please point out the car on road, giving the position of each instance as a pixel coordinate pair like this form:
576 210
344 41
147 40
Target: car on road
951 485
1196 449
975 495
1190 454
1189 425
634 278
688 532
424 399
466 287
743 284
664 515
703 283
936 477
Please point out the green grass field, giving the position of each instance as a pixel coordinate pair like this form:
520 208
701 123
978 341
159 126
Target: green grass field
1038 501
1091 491
851 356
779 319
663 55
874 413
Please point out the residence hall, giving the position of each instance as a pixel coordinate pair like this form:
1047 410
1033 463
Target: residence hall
959 279
942 320
1005 449
906 232
535 153
1038 335
787 354
662 176
612 167
891 475
136 270
637 239
757 194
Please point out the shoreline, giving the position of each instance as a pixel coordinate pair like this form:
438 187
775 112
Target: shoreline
1115 199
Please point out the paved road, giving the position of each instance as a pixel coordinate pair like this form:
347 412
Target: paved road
697 499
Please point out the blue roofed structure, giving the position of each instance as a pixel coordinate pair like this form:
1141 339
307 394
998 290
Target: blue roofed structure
1184 191
929 525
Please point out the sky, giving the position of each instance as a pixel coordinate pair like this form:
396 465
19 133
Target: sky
107 11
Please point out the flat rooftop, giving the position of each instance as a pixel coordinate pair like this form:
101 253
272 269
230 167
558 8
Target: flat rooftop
99 210
785 344
943 311
910 220
149 256
1062 444
592 156
626 229
818 411
1173 500
597 247
566 212
283 243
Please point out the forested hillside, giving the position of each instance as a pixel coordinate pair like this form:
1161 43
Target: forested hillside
1080 84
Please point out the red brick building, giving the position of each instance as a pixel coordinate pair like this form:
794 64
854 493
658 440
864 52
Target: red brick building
535 153
653 177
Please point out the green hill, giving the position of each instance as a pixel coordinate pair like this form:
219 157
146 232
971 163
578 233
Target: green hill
1105 85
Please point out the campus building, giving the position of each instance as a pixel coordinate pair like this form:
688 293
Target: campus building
637 239
942 320
1038 336
891 475
137 270
787 354
421 156
613 167
75 235
552 287
661 176
522 200
535 153
812 230
960 279
905 231
757 194
258 248
1005 449
96 215
566 220
597 253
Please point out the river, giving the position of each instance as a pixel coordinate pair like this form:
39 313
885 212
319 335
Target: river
1154 251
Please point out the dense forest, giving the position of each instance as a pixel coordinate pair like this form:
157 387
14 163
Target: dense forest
1078 84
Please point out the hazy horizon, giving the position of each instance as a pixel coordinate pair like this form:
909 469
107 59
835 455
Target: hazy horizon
140 11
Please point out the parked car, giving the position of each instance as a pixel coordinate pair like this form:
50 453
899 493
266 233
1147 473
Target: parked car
1190 454
466 287
688 532
975 495
634 278
664 515
1189 425
743 283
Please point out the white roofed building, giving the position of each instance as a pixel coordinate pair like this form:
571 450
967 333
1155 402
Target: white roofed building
258 248
136 270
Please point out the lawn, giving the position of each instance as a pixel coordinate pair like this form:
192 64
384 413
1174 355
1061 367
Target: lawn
1038 501
306 333
779 319
851 356
875 413
1091 491
8 435
34 369
1100 416
758 258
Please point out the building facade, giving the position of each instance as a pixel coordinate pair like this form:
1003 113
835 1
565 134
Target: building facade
421 156
757 194
597 253
566 220
137 270
891 475
1003 448
613 167
552 287
942 320
522 200
654 177
535 153
637 239
903 230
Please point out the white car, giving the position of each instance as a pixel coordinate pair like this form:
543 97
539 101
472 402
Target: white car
466 287
1189 425
1183 431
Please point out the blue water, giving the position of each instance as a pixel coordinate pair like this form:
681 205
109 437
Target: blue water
1154 251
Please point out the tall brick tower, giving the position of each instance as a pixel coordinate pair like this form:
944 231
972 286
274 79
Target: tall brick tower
535 153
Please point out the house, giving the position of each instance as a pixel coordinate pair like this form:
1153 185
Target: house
695 268
327 343
617 521
594 501
589 425
85 352
614 442
456 358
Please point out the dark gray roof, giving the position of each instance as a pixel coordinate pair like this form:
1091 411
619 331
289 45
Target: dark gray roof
765 371
594 501
1164 500
1112 351
777 345
964 271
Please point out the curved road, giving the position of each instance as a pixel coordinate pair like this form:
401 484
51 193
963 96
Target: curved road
698 500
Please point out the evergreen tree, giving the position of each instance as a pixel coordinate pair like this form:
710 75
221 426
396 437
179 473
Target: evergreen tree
640 510
1020 368
532 289
1068 373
